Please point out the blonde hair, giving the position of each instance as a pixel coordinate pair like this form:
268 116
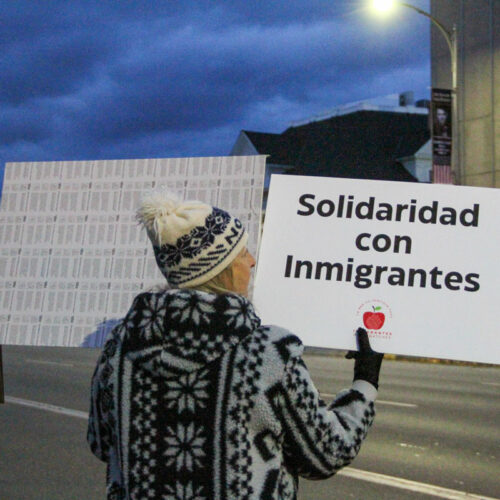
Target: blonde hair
217 284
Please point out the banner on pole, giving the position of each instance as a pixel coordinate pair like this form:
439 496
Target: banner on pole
442 136
415 264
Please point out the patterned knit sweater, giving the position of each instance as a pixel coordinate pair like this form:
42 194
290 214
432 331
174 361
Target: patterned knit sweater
192 398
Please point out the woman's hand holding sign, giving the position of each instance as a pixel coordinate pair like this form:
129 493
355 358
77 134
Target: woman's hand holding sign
367 361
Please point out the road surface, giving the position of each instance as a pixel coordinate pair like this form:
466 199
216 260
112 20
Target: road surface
436 434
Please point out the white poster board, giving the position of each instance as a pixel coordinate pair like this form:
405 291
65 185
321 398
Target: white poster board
416 264
72 256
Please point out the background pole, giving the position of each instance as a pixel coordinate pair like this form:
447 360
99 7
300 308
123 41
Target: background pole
2 398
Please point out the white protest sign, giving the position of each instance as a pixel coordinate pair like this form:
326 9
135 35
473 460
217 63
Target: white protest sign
417 265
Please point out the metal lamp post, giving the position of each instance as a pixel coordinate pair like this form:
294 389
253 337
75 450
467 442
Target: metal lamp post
451 40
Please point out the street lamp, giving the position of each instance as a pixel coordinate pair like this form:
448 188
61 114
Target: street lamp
451 39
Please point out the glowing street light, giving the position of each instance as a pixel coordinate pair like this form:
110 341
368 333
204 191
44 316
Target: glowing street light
385 6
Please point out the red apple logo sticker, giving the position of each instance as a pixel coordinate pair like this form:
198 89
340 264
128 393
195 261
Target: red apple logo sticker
374 320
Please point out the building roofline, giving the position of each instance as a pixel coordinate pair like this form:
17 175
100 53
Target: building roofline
385 103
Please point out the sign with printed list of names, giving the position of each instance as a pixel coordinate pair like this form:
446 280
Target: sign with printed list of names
72 256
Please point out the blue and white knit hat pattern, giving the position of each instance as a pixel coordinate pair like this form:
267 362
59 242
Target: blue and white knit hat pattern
192 241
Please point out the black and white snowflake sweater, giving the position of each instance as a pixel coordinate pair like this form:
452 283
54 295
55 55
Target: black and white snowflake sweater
192 398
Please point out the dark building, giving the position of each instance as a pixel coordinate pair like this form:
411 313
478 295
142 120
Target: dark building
360 141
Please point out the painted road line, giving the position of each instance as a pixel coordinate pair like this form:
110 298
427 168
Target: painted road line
405 484
44 406
491 383
42 362
378 401
362 475
395 403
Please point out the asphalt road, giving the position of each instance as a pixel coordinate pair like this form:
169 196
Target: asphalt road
437 426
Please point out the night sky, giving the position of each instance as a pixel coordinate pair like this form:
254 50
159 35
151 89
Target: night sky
83 80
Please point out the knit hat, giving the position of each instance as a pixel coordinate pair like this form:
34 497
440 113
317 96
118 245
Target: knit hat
192 241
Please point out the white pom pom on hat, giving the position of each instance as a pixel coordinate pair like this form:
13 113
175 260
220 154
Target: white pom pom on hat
192 241
166 217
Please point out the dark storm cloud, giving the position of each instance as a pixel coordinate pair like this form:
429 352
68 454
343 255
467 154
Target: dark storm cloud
197 78
16 126
55 65
134 79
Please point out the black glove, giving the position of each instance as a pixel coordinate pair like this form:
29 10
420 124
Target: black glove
367 361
